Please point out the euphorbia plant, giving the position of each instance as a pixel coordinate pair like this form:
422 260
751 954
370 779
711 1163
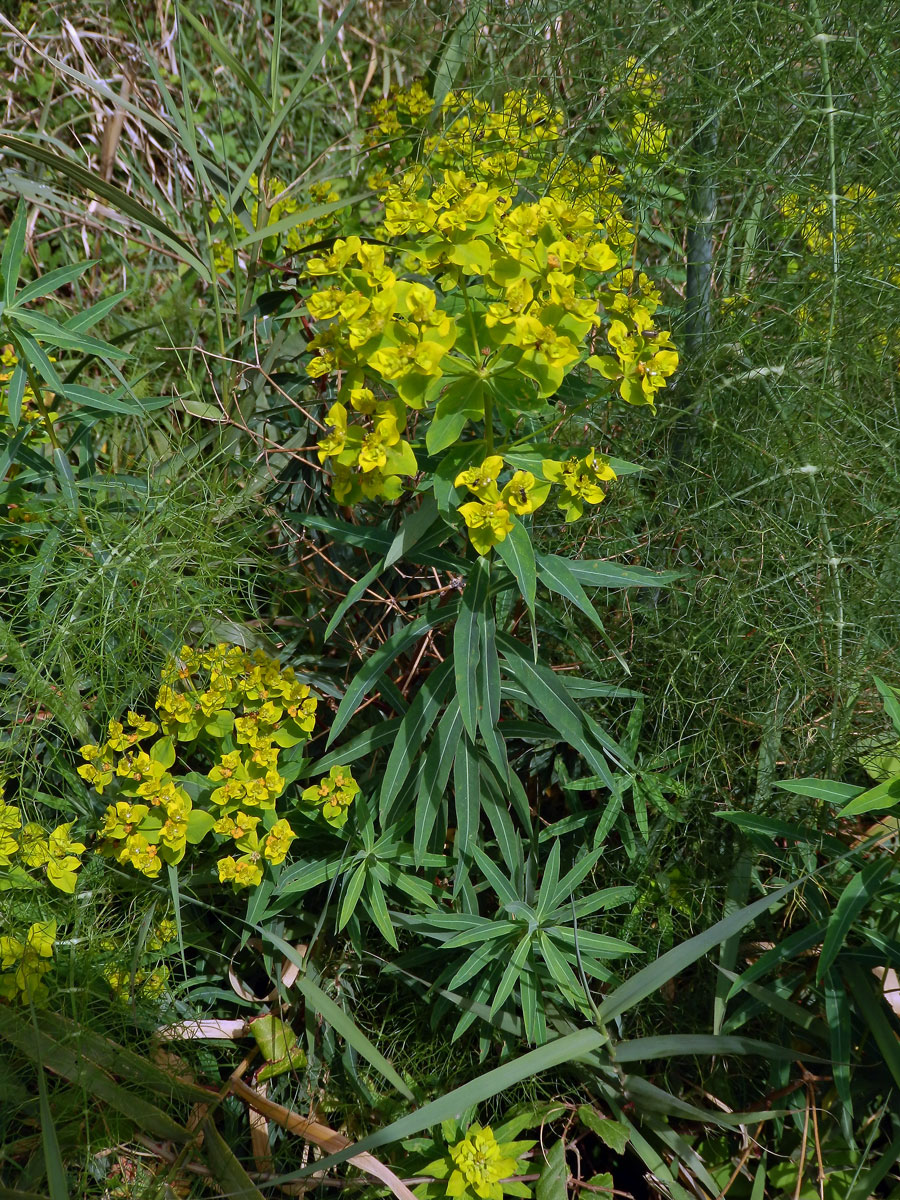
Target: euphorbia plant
449 338
443 346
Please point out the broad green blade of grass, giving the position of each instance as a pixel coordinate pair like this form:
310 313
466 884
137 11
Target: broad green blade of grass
81 1070
230 1177
862 888
492 1083
53 1163
666 1046
875 1014
120 200
674 961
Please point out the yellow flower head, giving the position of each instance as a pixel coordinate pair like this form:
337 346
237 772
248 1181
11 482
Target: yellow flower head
488 522
480 1165
482 481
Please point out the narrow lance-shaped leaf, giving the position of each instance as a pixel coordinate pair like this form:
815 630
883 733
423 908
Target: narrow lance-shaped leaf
378 663
517 552
11 259
435 773
864 885
467 645
411 734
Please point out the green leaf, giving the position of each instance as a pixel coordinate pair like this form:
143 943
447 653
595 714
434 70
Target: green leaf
497 793
337 1018
548 695
572 879
891 703
611 1133
65 1058
838 1019
11 260
820 789
352 893
163 752
413 529
14 395
376 664
559 577
48 283
300 877
719 1044
599 573
467 797
90 398
230 1177
220 725
379 910
303 215
461 402
883 795
65 478
360 746
511 974
517 552
864 885
554 1178
353 595
411 733
875 1014
651 978
199 824
53 1162
467 645
769 827
435 773
782 951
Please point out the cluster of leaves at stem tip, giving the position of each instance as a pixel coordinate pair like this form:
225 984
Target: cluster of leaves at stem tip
493 274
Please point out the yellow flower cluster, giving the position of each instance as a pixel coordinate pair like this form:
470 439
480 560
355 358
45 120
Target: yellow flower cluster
280 203
24 963
643 357
249 709
858 231
499 263
812 217
639 92
29 846
333 794
489 517
30 412
516 141
146 981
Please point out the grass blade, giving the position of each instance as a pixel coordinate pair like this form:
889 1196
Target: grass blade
336 1017
673 962
566 1049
